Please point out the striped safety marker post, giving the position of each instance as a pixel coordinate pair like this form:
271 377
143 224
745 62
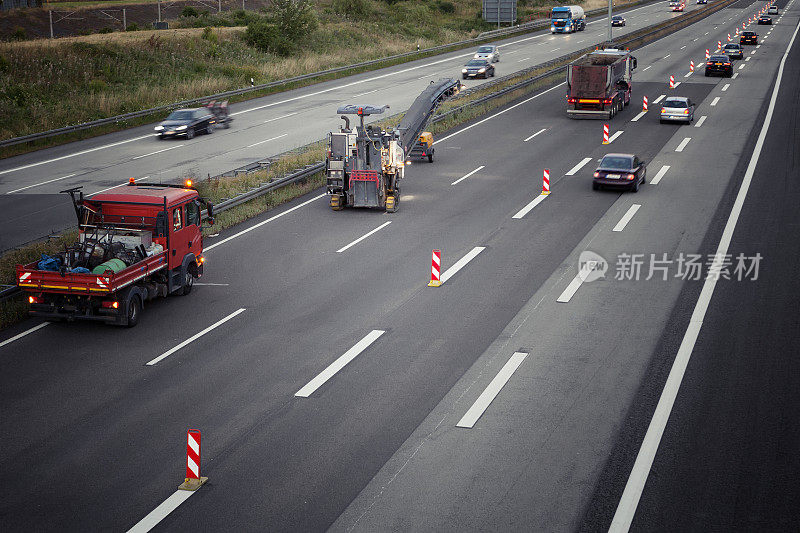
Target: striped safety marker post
605 133
546 182
708 54
729 37
193 479
644 104
436 266
742 25
672 82
719 45
691 66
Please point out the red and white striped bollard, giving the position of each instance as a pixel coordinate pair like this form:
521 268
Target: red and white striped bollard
729 37
193 479
672 82
719 45
436 266
605 133
546 182
644 104
708 54
691 66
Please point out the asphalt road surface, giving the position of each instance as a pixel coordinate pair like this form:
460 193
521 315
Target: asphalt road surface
262 128
402 437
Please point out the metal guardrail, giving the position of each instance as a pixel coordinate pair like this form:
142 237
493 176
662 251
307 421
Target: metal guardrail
522 28
310 170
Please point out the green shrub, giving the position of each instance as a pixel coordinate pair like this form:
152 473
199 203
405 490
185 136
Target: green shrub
294 18
106 30
189 11
446 7
132 27
97 86
268 38
4 64
19 34
352 8
209 35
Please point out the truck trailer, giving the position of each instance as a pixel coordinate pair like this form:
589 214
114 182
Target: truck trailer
599 83
135 243
567 19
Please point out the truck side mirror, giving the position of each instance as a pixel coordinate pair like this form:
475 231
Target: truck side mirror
210 209
634 62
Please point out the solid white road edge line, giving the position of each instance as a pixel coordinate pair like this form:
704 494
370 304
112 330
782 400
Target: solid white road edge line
459 180
491 391
574 170
640 115
644 459
700 121
500 113
26 332
42 183
158 151
461 263
626 217
339 364
616 134
343 248
527 209
23 167
534 135
683 144
194 337
159 513
659 175
576 282
270 219
267 140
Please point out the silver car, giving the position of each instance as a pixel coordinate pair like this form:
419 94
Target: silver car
488 52
677 109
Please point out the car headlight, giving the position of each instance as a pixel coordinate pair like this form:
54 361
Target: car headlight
180 128
482 70
463 71
159 128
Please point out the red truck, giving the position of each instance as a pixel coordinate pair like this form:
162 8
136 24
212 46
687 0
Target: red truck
135 243
599 83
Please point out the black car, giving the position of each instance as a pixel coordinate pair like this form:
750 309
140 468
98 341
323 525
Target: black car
748 37
718 64
477 68
733 50
187 122
617 20
763 19
620 170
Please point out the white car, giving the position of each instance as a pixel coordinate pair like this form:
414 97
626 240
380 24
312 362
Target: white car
773 10
489 53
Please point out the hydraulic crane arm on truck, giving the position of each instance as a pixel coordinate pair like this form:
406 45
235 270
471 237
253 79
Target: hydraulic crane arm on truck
364 164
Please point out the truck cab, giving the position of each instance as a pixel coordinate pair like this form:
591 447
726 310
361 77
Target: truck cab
567 19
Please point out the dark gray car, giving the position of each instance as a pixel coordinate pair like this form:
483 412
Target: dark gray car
187 122
620 171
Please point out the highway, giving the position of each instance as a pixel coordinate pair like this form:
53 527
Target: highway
262 127
516 396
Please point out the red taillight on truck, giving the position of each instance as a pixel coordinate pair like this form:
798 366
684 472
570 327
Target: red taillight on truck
33 300
108 304
607 101
571 100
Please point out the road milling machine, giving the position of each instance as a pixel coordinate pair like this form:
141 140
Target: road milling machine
364 164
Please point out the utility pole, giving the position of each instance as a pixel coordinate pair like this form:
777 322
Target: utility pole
498 14
159 10
51 24
124 20
219 6
610 39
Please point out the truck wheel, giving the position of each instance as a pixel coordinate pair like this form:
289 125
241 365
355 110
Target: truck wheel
188 281
134 310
